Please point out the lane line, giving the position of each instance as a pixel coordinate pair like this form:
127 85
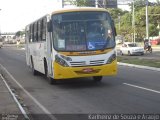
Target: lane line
15 99
151 90
45 110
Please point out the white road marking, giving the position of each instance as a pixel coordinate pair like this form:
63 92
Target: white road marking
45 110
151 90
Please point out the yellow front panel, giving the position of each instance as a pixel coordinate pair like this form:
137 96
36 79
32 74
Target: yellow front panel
61 72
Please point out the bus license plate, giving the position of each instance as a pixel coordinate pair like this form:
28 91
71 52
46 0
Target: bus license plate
88 70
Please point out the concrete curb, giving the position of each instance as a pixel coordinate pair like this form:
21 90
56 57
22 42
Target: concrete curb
139 66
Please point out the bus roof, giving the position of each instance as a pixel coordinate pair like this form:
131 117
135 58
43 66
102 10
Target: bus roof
76 9
72 9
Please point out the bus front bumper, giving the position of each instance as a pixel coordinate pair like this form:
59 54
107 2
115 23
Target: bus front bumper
61 72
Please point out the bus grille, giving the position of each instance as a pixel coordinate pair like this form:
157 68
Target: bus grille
97 62
77 64
91 63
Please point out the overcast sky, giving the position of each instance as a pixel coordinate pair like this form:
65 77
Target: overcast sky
16 14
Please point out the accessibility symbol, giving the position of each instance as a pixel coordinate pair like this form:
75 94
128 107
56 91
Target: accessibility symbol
91 46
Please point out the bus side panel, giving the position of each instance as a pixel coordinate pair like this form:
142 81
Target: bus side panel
37 53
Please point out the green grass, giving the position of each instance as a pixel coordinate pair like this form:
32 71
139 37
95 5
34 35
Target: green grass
139 61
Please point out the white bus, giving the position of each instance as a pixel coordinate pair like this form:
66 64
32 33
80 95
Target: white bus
72 43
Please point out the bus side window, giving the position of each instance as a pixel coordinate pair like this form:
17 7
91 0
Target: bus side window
35 32
44 25
39 31
30 33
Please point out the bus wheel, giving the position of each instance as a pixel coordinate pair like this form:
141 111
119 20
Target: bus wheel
97 78
52 81
35 72
45 69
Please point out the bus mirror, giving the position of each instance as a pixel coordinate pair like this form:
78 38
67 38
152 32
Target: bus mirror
114 28
49 26
115 31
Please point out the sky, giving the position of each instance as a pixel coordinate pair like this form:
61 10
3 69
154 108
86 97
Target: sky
16 14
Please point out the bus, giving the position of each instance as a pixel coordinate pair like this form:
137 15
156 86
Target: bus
72 43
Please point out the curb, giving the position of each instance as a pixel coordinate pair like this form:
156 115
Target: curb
139 66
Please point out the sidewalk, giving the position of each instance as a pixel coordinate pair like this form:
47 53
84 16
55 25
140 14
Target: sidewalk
7 103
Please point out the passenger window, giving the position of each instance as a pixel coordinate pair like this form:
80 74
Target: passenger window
44 24
39 31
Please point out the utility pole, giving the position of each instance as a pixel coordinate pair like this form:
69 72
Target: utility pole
147 22
119 21
133 23
104 4
96 3
158 27
62 3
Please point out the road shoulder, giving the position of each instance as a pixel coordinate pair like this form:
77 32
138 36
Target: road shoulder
139 66
7 104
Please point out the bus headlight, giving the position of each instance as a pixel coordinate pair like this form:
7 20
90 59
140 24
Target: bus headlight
66 58
60 61
111 58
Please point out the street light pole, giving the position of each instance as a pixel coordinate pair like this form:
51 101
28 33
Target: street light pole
147 22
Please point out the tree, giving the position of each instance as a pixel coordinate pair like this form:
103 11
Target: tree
79 2
19 33
115 12
138 4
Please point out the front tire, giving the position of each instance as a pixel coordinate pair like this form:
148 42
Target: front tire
50 80
97 78
150 50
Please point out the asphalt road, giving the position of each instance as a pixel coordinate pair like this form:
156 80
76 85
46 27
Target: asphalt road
132 91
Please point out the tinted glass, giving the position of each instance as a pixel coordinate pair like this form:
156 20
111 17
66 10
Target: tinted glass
81 31
132 45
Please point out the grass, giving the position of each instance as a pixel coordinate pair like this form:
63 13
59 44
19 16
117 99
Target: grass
139 61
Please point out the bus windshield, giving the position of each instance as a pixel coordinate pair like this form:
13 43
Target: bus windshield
82 31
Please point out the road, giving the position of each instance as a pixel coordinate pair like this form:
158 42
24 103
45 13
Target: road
133 90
